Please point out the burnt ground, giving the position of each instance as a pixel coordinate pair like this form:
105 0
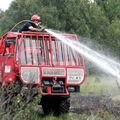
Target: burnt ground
100 105
95 104
91 104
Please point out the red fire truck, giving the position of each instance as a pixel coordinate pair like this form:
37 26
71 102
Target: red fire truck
39 59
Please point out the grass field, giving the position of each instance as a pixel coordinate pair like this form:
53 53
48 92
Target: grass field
104 85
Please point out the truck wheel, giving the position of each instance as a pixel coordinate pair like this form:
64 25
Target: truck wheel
62 106
46 104
55 104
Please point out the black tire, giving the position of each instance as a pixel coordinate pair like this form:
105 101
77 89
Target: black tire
64 105
55 104
46 104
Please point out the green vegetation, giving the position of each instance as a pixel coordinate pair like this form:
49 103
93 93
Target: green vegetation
98 20
100 85
71 117
94 85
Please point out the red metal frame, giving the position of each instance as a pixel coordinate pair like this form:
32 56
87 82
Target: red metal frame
45 38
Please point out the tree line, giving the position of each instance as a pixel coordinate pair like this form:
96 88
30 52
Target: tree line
98 20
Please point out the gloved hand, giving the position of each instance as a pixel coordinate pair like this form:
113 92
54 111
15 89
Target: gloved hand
42 28
39 23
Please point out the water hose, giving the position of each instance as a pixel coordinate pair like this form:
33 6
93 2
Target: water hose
23 22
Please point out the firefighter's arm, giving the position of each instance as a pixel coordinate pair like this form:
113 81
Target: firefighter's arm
36 29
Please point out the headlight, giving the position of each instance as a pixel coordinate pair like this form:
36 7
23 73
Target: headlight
30 74
7 68
75 75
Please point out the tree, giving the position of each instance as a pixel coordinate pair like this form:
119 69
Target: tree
111 8
1 14
96 20
113 37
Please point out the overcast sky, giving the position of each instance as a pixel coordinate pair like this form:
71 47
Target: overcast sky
4 4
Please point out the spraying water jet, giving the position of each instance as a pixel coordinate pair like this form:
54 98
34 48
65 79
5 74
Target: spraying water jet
106 64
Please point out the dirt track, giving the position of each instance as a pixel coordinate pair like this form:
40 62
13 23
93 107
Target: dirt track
94 104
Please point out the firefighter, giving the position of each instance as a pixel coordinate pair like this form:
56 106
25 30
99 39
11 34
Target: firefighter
33 25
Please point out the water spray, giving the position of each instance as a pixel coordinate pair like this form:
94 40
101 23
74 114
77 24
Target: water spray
106 64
